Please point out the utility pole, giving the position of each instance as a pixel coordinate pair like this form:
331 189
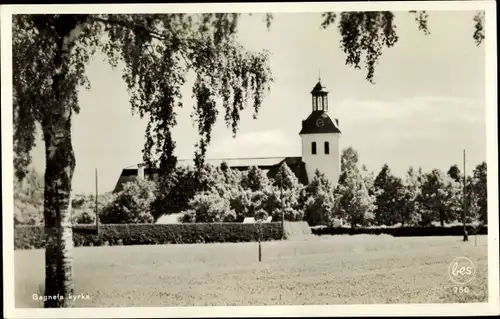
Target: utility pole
464 213
96 204
282 208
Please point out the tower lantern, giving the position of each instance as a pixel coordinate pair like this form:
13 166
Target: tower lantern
319 98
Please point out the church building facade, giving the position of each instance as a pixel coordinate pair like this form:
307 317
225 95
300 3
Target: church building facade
320 136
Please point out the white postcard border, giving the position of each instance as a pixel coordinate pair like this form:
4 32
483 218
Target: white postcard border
492 307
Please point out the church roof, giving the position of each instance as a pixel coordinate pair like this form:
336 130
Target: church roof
319 88
296 165
310 125
268 164
232 162
127 175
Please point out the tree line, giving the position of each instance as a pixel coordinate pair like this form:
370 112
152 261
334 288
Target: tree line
220 194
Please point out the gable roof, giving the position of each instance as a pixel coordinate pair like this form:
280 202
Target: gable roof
296 165
270 165
309 125
127 175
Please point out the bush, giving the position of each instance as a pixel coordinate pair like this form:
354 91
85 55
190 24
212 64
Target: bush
32 237
29 237
209 207
84 218
402 231
131 205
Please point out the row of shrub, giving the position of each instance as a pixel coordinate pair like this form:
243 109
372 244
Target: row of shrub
409 231
32 237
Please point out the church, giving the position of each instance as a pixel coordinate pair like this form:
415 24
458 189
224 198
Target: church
320 136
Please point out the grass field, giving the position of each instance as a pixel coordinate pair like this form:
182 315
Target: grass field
319 270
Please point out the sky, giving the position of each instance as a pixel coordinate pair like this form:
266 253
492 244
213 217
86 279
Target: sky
427 104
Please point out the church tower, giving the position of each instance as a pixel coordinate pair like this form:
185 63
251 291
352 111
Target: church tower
320 138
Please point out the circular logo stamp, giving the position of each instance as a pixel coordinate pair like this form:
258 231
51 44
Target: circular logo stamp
461 270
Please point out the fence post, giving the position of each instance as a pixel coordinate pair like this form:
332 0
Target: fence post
464 213
259 235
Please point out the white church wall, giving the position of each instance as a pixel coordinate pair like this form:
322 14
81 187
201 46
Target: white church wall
329 164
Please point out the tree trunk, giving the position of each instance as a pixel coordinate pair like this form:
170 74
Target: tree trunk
441 217
60 164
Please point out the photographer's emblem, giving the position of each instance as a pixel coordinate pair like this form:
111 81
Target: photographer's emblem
461 270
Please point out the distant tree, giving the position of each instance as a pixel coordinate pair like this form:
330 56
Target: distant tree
287 192
411 199
270 200
177 189
382 184
224 195
454 172
211 178
362 206
132 205
232 176
291 204
471 201
318 206
84 207
283 204
389 192
401 213
240 201
369 179
174 192
286 179
349 161
453 196
28 199
210 207
353 201
480 191
440 198
257 192
262 199
255 179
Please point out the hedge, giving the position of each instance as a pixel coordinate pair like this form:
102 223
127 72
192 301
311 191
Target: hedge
403 231
32 237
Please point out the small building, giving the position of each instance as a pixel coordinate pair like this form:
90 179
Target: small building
320 136
251 220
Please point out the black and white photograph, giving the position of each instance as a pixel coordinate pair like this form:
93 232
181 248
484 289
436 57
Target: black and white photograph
257 159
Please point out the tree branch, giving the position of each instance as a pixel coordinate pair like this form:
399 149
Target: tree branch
129 26
135 27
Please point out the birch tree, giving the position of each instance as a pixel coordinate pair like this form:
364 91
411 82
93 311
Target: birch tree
50 54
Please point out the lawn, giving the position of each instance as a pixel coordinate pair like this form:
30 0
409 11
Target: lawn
318 270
